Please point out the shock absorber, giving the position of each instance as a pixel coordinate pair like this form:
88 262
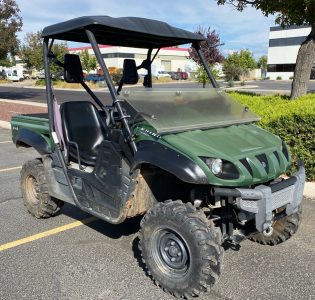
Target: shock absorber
200 194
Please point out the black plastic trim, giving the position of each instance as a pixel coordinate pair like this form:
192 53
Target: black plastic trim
285 150
169 160
246 164
32 139
282 184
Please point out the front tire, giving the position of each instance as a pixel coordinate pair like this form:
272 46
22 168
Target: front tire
283 229
181 249
34 190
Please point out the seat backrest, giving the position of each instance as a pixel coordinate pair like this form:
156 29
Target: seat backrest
83 124
130 73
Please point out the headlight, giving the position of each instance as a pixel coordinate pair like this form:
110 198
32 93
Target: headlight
221 168
215 165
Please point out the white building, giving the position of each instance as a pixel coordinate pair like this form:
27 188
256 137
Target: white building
284 45
174 59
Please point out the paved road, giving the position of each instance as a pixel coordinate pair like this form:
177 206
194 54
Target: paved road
101 261
17 92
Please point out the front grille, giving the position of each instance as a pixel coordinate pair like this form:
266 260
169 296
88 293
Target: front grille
264 161
282 197
247 166
277 156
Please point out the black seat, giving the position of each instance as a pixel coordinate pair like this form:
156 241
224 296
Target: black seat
83 124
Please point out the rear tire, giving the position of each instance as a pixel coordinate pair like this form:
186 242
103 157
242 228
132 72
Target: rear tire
283 229
181 249
34 190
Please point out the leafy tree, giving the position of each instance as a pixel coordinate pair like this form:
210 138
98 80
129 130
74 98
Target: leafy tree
89 62
202 76
5 62
13 61
290 12
10 24
211 47
262 62
31 53
242 61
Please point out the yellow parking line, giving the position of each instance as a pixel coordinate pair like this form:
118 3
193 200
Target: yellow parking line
11 169
46 233
6 142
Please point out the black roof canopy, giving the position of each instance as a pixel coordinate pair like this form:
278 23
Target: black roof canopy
125 32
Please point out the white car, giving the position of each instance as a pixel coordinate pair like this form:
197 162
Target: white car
162 74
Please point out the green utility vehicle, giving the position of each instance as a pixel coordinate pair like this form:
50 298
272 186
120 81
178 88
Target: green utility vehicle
190 160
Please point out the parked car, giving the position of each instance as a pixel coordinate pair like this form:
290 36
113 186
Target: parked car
161 74
38 75
94 77
58 75
183 75
174 75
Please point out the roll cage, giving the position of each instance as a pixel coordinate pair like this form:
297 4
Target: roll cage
129 32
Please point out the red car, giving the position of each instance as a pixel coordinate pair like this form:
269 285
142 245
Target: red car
183 75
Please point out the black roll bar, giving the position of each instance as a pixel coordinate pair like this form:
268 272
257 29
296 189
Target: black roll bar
48 84
205 64
116 101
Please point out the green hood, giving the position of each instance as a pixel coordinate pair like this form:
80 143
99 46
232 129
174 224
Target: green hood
235 144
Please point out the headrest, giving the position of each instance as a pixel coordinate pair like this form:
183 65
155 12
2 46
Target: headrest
130 73
73 69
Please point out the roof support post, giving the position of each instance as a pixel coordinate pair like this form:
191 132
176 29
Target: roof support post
111 88
48 85
205 64
149 67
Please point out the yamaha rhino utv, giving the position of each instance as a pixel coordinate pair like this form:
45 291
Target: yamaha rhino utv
189 160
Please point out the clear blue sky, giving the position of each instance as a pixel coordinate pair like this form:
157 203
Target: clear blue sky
239 30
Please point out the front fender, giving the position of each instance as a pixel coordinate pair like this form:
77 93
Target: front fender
29 138
169 160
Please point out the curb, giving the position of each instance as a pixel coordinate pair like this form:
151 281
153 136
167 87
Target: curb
309 190
5 124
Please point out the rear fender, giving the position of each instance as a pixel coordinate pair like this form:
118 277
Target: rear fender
169 160
28 138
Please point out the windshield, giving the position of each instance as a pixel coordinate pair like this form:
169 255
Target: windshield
174 110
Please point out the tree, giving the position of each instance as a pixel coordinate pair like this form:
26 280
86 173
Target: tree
5 62
13 61
290 12
89 62
262 62
211 47
31 53
232 72
10 24
202 76
242 61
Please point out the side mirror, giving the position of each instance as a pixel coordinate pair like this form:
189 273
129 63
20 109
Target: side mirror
73 69
130 73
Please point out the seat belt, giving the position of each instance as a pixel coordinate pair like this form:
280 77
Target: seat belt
57 121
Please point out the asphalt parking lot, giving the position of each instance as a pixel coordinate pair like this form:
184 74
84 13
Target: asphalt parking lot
98 260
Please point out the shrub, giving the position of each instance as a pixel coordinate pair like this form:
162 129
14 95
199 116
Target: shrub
255 79
279 78
232 73
243 83
267 78
292 121
230 83
291 77
116 77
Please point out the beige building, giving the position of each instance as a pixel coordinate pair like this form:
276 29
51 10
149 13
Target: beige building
174 59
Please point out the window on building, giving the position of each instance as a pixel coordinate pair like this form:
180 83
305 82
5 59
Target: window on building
293 41
114 55
281 68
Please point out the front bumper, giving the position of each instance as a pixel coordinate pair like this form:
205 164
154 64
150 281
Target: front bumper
263 200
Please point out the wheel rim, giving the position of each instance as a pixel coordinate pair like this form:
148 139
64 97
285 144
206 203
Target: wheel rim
32 189
170 253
